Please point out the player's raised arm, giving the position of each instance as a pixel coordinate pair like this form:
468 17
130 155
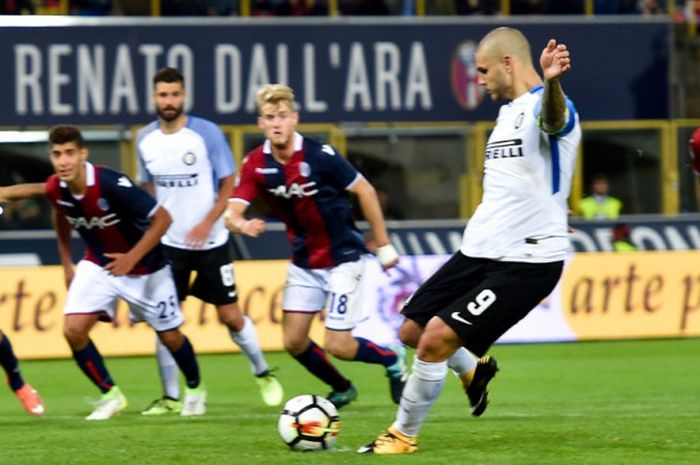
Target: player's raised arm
22 191
555 61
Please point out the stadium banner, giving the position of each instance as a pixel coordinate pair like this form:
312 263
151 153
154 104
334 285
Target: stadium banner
31 313
436 237
600 296
420 237
99 72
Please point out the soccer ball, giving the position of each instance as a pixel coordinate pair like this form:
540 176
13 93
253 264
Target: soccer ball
309 422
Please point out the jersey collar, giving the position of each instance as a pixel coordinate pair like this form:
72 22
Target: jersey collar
526 95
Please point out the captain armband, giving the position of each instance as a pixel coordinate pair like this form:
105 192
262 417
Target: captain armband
567 115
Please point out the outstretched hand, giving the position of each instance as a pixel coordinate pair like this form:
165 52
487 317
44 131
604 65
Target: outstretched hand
253 227
555 60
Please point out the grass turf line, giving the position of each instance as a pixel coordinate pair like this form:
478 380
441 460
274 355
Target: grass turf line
628 402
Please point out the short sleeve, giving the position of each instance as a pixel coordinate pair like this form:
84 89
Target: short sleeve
339 172
218 150
247 188
124 192
143 176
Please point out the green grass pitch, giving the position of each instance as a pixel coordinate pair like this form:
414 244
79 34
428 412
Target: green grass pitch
629 402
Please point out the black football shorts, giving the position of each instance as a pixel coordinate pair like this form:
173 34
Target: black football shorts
215 281
481 299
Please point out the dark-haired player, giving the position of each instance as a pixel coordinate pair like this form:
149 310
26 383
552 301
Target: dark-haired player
121 225
186 163
31 401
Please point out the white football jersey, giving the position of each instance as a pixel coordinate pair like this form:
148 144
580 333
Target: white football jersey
185 168
523 214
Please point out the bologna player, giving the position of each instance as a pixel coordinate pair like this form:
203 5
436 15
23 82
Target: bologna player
514 246
31 401
121 225
306 183
186 163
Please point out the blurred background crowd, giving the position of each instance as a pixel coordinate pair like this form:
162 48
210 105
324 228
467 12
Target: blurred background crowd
344 7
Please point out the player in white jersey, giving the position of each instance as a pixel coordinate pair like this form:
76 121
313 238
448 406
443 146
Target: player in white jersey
187 164
514 246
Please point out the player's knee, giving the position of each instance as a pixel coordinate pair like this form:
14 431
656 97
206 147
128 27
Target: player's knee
231 316
410 332
75 336
437 343
295 345
334 348
172 339
340 345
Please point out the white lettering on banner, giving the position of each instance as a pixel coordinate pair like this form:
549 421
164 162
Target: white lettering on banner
647 238
258 75
28 71
435 244
580 240
88 75
398 243
91 79
310 103
150 53
123 87
415 244
98 79
227 72
674 238
357 83
455 240
693 236
387 62
228 65
604 238
58 79
334 54
417 82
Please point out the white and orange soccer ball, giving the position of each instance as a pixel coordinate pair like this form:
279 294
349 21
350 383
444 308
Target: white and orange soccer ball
309 422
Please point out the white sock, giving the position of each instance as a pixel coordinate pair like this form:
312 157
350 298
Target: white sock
169 371
422 389
247 340
462 362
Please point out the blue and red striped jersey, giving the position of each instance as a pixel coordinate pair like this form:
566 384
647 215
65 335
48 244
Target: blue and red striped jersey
309 194
111 216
